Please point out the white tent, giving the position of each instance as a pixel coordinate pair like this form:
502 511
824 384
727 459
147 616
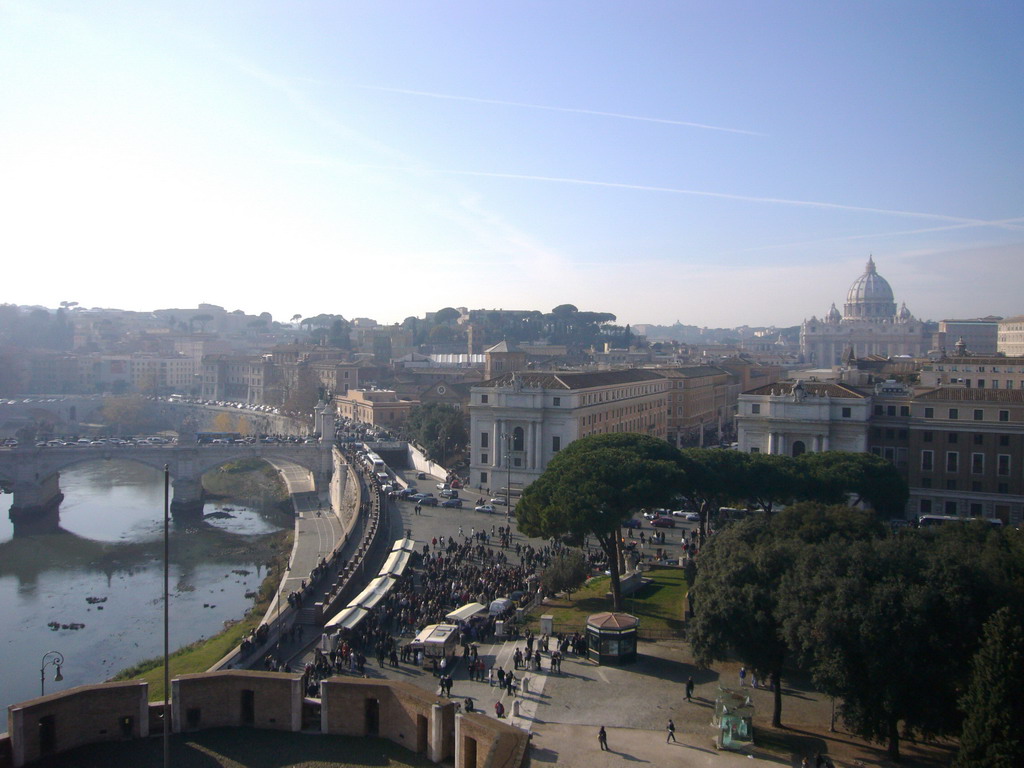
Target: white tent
346 618
409 545
466 612
500 605
396 562
374 592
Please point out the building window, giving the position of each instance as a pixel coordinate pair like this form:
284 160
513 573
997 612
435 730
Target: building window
483 478
1003 465
556 401
926 436
977 463
484 440
847 412
483 458
954 413
755 449
925 506
518 439
556 443
1004 415
904 410
979 414
927 461
890 454
483 399
979 439
755 408
950 507
952 461
976 510
929 413
1004 441
890 410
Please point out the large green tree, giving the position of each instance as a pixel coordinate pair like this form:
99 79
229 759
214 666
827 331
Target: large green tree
993 706
840 477
740 607
592 486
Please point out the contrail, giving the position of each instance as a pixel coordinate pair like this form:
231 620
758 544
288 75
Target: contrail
719 195
573 110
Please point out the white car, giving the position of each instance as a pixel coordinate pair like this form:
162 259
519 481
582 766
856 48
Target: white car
488 508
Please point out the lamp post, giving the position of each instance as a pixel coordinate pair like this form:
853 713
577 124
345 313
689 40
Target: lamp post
507 437
54 659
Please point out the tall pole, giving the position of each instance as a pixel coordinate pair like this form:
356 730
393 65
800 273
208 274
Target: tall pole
167 614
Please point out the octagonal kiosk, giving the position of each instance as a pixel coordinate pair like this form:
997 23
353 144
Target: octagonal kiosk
611 638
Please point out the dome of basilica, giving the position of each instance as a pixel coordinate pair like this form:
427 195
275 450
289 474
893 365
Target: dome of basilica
870 296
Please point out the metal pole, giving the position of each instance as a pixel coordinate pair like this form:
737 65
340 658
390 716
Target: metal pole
167 613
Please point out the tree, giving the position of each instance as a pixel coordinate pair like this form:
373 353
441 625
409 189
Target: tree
594 484
736 601
771 479
448 315
712 479
841 477
567 572
124 414
879 634
439 428
202 319
993 705
740 604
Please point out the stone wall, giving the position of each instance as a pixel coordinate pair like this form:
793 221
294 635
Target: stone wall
82 715
237 697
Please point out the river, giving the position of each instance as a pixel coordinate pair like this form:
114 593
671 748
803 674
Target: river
104 570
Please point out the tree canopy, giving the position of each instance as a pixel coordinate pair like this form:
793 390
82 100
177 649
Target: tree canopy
592 486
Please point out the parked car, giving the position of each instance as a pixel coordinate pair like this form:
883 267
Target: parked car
499 502
632 523
442 486
421 476
452 503
663 522
427 501
488 508
690 517
450 493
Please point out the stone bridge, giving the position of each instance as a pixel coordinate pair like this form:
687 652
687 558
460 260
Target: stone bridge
33 473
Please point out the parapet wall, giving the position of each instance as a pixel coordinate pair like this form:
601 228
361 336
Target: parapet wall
402 713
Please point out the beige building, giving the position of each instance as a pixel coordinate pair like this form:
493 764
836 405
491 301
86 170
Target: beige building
380 407
519 421
1011 336
972 372
795 417
700 403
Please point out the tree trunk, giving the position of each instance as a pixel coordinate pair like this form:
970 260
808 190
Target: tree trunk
893 748
776 679
614 568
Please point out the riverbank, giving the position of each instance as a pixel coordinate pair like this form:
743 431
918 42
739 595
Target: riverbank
202 654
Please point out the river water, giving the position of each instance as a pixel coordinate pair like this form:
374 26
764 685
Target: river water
104 570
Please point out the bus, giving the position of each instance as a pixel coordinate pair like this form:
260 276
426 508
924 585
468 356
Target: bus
934 521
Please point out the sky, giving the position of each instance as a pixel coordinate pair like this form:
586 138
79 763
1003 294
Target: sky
713 163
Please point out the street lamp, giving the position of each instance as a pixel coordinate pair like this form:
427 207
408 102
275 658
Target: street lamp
54 659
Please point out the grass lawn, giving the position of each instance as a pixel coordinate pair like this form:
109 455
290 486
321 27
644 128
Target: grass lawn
243 748
659 604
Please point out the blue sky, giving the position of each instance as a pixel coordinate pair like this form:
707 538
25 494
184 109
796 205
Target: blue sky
716 163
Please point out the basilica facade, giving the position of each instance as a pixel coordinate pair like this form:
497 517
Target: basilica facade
870 324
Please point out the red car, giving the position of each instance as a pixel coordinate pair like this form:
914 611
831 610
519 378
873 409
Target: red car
663 522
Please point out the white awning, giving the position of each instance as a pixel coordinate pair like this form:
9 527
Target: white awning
466 612
409 545
374 592
396 562
346 618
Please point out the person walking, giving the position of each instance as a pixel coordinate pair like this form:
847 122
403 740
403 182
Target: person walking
689 689
671 732
602 739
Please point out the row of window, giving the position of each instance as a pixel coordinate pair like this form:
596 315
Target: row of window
954 414
977 462
976 486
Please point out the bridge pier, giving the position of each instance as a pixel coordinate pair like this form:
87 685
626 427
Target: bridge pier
36 508
188 497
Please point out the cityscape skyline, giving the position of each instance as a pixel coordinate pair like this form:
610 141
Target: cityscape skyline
720 165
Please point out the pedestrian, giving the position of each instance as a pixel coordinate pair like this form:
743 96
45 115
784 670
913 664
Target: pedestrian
689 689
743 676
602 739
671 732
499 709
